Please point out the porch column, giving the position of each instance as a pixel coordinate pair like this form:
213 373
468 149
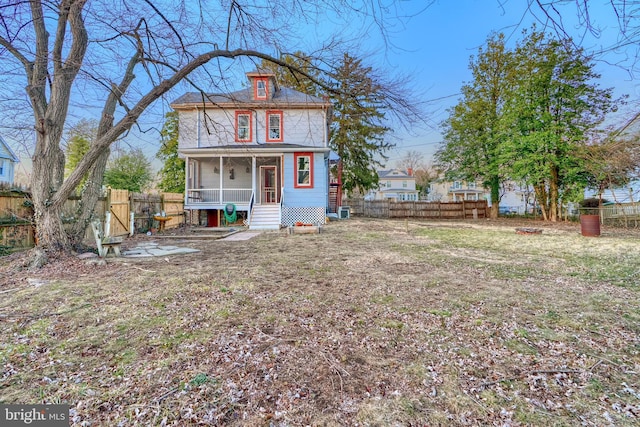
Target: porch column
253 179
187 161
221 180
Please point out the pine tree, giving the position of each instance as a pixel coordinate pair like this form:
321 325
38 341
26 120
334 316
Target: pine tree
358 130
172 174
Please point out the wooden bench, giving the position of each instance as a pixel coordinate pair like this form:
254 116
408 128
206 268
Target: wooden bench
105 243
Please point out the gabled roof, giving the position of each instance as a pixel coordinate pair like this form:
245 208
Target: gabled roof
284 96
393 173
6 153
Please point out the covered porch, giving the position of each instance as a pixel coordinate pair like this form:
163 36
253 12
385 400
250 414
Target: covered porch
213 182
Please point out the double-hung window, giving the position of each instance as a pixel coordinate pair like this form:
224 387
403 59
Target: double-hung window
243 126
303 170
261 89
274 126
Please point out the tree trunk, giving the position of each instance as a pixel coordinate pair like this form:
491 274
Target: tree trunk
495 197
47 176
553 194
541 195
90 196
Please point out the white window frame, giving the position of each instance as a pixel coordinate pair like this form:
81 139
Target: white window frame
279 115
239 138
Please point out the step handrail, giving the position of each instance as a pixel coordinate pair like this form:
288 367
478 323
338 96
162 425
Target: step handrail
250 212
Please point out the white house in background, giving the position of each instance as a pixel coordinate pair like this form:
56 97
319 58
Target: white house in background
627 194
456 191
516 198
8 159
394 184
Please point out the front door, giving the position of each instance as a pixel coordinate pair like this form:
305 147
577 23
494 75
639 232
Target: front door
268 184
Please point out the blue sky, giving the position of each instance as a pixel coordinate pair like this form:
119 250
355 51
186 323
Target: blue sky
436 46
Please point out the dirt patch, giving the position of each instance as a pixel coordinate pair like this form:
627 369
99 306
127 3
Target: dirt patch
371 322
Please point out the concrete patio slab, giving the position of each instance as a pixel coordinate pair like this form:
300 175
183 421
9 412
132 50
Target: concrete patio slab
154 249
243 235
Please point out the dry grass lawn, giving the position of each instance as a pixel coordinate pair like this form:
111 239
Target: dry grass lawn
370 323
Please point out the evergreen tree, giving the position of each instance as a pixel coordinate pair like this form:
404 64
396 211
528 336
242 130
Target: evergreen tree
357 130
129 171
172 173
554 110
473 131
81 135
361 99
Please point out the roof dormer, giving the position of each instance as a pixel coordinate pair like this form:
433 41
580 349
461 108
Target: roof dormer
263 85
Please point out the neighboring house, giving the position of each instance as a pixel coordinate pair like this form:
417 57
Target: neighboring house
626 194
264 149
394 184
516 198
456 191
7 161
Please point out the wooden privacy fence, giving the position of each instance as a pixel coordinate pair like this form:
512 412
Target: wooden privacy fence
146 206
16 229
467 209
16 214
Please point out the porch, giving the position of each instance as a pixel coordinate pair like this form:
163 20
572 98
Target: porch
214 182
252 184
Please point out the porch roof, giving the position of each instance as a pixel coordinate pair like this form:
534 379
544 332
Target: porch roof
249 150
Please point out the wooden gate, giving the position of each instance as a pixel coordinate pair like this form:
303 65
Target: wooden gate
119 207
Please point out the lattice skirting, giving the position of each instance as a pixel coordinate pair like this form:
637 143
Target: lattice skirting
307 215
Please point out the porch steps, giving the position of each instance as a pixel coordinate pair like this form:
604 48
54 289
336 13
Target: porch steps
265 217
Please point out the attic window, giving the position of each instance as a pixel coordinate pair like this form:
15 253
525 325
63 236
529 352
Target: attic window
261 88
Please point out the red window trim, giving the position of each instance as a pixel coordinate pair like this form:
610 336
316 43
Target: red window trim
242 113
278 113
266 88
295 170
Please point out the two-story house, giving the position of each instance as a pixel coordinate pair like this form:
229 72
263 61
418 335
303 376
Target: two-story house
394 184
264 150
8 159
456 191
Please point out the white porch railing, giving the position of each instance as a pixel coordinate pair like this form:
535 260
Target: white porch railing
209 196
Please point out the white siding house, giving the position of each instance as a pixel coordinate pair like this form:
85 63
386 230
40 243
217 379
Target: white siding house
263 149
456 191
394 184
8 159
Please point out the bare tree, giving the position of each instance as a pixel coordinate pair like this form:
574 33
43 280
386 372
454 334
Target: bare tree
116 58
580 20
412 160
423 172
